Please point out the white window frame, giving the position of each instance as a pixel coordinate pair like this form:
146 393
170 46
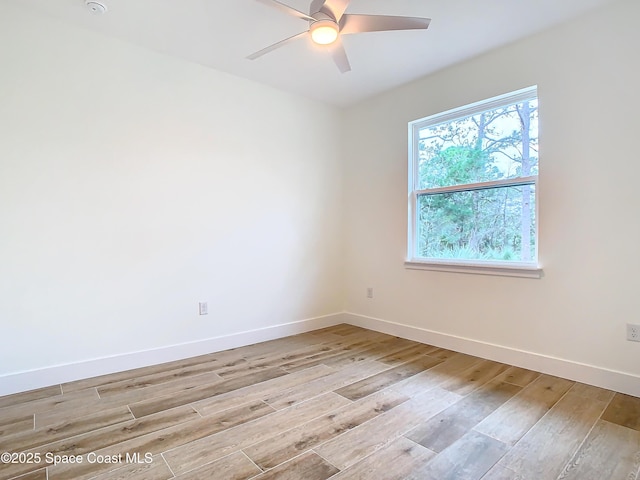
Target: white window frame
490 267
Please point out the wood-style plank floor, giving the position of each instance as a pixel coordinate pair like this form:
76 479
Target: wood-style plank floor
341 403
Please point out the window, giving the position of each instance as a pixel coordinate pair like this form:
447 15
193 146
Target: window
473 173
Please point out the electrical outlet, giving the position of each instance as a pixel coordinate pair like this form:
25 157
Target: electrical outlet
369 292
633 332
203 308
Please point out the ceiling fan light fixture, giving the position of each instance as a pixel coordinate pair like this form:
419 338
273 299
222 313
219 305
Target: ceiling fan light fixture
324 32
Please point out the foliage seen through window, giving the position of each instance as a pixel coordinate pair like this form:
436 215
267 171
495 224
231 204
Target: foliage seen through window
474 183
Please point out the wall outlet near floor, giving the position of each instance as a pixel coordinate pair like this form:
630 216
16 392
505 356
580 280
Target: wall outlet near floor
203 308
633 332
369 292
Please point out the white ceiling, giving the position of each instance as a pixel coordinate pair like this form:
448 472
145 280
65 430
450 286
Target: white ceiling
221 33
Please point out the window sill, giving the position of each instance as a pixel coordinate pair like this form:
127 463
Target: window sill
477 268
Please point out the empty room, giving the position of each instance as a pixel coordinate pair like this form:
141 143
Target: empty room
319 239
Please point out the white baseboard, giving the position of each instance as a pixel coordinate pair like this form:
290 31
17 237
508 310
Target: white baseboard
57 374
600 377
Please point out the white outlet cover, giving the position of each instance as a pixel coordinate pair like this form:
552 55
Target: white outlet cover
633 332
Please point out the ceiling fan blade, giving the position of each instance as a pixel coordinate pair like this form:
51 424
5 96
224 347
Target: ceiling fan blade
335 8
380 23
340 56
287 9
279 44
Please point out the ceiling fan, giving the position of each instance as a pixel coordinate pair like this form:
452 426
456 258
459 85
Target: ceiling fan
328 22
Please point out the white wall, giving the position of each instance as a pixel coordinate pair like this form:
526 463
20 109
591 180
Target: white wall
588 75
133 186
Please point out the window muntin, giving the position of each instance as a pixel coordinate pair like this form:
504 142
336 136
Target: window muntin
473 173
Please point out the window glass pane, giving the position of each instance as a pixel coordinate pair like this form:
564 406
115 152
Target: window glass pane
496 144
491 224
